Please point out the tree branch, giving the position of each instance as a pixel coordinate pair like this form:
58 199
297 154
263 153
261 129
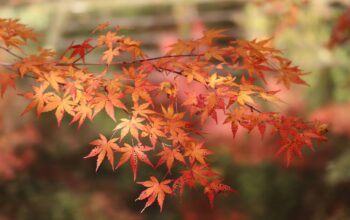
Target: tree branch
10 52
160 69
130 62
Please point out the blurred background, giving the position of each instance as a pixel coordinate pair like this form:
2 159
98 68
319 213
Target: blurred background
43 175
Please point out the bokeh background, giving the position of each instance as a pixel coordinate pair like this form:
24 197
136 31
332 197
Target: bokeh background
43 175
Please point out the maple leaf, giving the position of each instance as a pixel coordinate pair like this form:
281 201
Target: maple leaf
257 48
243 97
142 110
233 118
174 125
191 102
181 47
288 73
82 111
196 152
39 98
29 64
209 108
169 88
61 105
141 89
215 52
155 190
170 113
154 130
289 150
134 153
169 155
102 148
72 88
109 54
199 173
191 99
185 179
5 81
270 96
340 32
14 34
54 79
210 35
215 187
101 27
108 102
194 74
215 80
80 49
109 39
130 125
132 46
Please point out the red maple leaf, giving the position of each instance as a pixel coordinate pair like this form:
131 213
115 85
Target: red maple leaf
80 49
216 187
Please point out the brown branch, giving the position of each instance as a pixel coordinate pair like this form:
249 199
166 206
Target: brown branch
130 62
10 52
6 64
160 69
104 64
252 108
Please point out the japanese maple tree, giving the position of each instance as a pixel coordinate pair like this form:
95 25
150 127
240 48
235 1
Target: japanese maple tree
231 79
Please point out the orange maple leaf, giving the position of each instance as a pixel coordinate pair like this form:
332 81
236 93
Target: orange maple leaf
142 110
5 81
130 125
62 105
39 98
109 39
169 155
55 78
109 54
154 130
82 111
199 173
141 88
155 190
196 151
134 153
108 102
102 148
101 27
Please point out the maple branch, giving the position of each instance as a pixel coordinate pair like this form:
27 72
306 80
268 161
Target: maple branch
10 52
6 64
252 108
113 134
159 69
130 62
166 175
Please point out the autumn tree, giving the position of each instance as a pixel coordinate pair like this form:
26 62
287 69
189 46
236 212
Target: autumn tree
161 119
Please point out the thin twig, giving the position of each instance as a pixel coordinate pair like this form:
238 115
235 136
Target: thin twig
130 62
10 52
